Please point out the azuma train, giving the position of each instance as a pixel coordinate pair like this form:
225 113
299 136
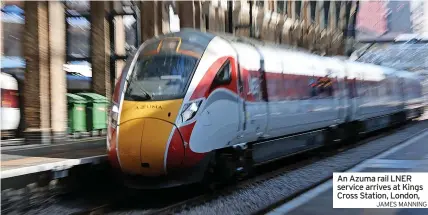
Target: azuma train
192 106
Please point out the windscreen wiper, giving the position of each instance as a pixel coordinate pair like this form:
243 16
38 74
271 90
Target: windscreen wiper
139 98
146 94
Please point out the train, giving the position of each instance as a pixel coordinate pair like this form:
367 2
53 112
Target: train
192 106
12 103
10 111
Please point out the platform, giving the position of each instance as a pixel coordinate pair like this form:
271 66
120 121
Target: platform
24 160
410 156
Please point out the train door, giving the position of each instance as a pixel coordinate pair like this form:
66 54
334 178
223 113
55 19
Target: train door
275 90
350 93
361 94
340 92
254 105
323 109
404 96
337 108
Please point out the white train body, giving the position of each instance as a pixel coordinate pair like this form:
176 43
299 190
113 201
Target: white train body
10 112
271 100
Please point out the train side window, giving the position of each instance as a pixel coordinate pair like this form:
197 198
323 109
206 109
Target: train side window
224 75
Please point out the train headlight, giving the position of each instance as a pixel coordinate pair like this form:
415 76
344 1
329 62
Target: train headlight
190 111
114 115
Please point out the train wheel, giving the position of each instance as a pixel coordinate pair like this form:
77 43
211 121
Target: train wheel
209 180
329 136
226 168
248 163
352 131
235 164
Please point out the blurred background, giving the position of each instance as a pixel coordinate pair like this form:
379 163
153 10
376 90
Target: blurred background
58 47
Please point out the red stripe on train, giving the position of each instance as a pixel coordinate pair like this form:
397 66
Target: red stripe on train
118 89
9 98
176 152
203 89
112 153
191 158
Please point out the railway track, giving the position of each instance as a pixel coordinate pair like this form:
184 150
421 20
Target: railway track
262 173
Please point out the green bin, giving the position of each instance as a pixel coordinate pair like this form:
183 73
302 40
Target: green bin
76 113
96 110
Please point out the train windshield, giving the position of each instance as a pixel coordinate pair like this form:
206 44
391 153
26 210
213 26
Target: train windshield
160 77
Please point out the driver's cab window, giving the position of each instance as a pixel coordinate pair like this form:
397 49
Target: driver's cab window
223 76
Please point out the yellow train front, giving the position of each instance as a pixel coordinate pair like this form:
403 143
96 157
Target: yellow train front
143 141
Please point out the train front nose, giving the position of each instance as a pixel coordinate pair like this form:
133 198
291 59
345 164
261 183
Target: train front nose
146 139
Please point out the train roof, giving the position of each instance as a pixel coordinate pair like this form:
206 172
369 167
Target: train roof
376 71
200 41
407 74
197 41
258 43
369 72
190 40
189 32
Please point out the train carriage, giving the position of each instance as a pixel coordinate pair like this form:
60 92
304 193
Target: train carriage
413 99
13 79
191 105
10 114
377 95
